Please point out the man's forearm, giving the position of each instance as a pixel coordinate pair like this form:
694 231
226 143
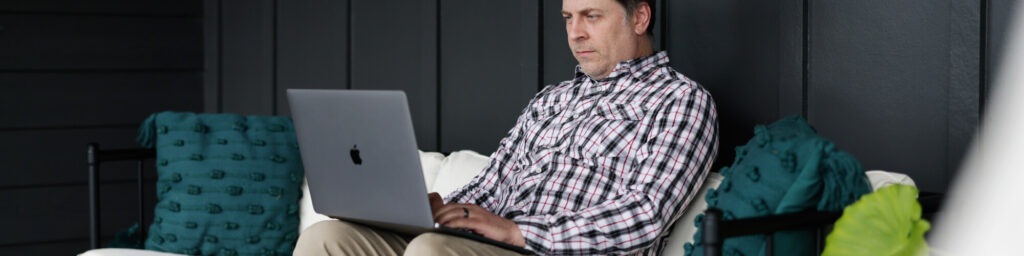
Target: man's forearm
628 223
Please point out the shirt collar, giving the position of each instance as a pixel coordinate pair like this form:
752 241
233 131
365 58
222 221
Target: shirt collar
639 67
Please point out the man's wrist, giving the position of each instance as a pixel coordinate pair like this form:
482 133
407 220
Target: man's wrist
514 235
517 237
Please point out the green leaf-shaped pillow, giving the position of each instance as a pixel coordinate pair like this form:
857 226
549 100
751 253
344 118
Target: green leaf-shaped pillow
886 222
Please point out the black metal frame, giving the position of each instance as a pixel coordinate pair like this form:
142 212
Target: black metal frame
95 157
716 230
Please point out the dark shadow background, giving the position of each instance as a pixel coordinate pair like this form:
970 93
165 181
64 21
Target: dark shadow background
900 84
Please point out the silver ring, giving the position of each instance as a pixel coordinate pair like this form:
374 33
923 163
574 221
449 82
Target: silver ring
465 212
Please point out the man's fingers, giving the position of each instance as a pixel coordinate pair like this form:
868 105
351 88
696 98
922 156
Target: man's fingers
475 224
464 223
453 207
450 212
480 220
435 202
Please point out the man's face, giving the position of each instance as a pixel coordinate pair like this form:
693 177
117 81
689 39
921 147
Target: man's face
600 36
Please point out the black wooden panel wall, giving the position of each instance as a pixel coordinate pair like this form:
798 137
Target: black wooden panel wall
996 23
900 84
74 72
558 62
489 70
247 56
889 104
390 53
304 61
734 49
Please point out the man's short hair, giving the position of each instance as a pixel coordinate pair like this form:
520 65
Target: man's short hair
631 6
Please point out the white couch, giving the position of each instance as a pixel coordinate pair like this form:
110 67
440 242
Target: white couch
445 174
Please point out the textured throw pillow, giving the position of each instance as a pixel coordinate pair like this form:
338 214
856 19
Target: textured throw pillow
785 168
227 184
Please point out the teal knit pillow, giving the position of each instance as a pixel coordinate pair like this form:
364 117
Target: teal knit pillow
785 168
227 184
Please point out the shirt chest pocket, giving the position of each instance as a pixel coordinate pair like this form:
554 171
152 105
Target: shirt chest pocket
545 124
620 111
611 131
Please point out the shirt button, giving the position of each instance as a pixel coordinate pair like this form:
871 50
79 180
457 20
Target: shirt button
535 170
576 116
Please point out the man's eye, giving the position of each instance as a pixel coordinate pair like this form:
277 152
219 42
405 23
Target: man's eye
592 17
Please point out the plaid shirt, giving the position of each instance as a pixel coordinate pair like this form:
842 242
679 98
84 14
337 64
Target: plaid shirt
605 166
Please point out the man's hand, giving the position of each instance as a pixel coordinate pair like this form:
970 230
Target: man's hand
479 220
435 202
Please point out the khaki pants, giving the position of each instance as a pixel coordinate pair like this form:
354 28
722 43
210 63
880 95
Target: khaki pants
334 237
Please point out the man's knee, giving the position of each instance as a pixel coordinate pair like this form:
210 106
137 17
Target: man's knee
315 236
430 244
333 237
439 244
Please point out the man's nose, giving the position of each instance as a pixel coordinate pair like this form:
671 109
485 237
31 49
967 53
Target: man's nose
577 30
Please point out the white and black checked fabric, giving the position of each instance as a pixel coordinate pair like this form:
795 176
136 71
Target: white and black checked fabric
602 167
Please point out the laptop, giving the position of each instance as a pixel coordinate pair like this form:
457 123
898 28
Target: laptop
362 163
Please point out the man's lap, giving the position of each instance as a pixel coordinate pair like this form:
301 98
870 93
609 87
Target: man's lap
336 237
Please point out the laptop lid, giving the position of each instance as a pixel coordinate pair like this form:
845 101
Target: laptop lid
360 156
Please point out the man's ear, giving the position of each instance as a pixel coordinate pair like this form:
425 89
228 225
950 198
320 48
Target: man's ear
641 18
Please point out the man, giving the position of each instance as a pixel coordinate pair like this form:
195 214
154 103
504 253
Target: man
600 164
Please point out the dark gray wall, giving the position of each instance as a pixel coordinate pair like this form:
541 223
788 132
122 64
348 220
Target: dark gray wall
256 51
74 72
900 84
909 99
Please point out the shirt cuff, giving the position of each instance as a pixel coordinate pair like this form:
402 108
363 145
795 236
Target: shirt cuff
536 233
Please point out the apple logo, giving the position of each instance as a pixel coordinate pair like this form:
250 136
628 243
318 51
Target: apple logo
354 153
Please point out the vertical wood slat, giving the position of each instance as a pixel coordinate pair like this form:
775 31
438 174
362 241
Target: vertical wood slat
487 76
401 59
731 48
246 53
212 56
881 94
558 62
966 81
311 47
791 57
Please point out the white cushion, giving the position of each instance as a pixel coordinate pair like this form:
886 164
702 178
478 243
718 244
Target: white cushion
879 179
308 216
684 228
124 252
458 169
431 162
